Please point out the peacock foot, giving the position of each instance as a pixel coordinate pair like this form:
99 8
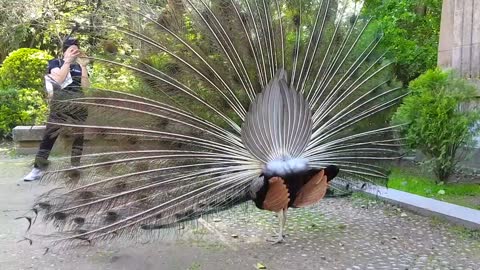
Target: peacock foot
276 239
276 233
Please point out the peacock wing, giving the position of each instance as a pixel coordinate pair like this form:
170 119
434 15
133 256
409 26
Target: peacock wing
277 197
313 191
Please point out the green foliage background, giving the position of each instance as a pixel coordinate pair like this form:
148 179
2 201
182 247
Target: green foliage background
411 32
436 121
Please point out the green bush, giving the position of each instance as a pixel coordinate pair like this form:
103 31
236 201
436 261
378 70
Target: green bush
21 107
24 68
437 124
113 78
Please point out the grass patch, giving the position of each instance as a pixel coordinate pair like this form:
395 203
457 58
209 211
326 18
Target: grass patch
361 199
466 233
414 182
195 266
7 149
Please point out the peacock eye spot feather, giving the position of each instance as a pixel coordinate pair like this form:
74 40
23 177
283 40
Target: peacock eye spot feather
60 216
296 20
44 205
142 197
132 140
84 238
74 175
142 166
79 220
185 214
111 216
353 18
85 195
120 186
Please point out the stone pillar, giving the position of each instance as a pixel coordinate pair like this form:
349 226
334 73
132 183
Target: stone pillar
459 46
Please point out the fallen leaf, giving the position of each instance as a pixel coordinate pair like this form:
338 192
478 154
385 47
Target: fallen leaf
260 266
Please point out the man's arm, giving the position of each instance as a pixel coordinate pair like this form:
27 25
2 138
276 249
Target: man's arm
83 61
85 82
60 74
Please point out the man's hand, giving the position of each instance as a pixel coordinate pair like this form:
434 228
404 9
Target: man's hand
82 59
71 54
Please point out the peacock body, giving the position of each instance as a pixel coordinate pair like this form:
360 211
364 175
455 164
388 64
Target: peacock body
262 100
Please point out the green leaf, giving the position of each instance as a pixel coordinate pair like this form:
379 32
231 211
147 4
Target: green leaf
260 266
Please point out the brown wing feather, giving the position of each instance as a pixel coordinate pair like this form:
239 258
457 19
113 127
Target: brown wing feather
313 191
277 197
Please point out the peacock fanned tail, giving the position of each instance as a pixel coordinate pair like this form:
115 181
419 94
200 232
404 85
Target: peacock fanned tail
230 90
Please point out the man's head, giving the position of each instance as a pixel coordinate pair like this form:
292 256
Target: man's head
70 41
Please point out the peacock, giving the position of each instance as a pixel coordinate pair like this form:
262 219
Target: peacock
268 101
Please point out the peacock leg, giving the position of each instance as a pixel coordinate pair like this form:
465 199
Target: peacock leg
281 221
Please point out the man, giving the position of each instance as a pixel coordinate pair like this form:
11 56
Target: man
71 69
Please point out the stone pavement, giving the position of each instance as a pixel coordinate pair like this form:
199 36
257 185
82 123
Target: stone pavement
347 233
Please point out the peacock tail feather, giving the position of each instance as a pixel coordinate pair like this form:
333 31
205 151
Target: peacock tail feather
231 89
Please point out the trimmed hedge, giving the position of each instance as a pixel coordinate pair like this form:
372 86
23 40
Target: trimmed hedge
24 68
21 107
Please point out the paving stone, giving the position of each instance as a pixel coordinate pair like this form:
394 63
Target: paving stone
359 238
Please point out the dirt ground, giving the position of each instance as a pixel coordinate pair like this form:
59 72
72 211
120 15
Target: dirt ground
346 233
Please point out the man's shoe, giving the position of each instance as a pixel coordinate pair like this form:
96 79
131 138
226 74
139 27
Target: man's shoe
34 175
